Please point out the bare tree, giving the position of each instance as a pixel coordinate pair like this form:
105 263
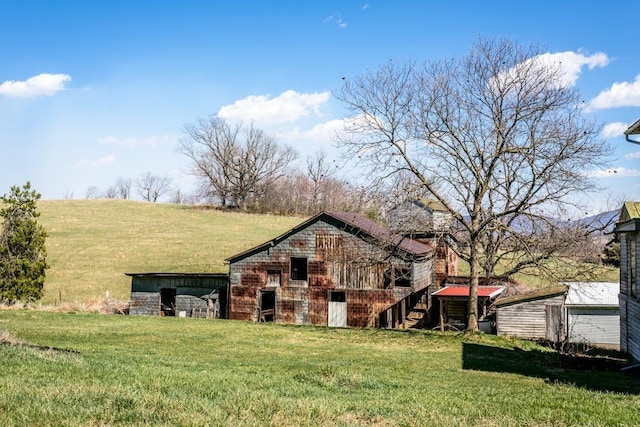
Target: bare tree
151 187
123 188
235 164
93 192
111 192
496 137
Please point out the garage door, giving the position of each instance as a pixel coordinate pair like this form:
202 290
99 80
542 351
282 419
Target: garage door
596 326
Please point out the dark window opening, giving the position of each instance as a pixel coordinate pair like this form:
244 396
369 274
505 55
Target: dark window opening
273 277
403 277
298 268
168 302
337 296
397 277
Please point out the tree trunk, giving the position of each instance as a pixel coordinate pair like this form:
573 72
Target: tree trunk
474 264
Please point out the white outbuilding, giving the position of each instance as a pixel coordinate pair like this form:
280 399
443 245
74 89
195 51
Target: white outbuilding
592 313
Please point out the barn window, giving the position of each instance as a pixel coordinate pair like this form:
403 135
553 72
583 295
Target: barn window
328 241
273 277
298 268
397 277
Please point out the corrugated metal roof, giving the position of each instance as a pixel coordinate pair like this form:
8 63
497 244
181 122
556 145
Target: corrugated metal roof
463 291
592 294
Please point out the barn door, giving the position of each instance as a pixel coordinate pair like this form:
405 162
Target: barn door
168 302
553 317
267 306
337 309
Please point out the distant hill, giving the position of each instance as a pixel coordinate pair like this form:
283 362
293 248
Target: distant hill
92 243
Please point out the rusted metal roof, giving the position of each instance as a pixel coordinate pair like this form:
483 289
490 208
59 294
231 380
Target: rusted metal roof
381 232
355 223
463 291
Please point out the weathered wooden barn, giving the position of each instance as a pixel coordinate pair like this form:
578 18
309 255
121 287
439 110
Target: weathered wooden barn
533 315
335 269
628 230
179 294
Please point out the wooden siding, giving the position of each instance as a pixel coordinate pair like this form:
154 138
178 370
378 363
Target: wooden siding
526 319
629 298
189 288
630 326
336 260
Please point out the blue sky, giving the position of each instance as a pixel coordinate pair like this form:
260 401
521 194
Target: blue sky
94 91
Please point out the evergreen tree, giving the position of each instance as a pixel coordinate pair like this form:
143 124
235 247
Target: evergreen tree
22 250
611 253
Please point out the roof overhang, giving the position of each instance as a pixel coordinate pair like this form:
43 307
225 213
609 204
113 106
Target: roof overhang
634 129
463 292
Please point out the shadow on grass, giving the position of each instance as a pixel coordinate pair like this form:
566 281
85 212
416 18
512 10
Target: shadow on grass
599 373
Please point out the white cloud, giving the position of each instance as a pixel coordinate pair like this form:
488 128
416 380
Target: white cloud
571 63
634 155
323 133
42 84
337 20
103 161
287 107
622 94
619 172
614 130
153 140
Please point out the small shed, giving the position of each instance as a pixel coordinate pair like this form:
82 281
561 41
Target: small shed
593 314
533 315
454 302
179 294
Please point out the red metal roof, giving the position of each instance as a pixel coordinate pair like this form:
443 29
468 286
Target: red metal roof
463 291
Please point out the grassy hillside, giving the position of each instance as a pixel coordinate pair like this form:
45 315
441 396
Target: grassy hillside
141 370
92 243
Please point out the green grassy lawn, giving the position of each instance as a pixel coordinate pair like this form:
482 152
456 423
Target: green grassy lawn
92 243
122 370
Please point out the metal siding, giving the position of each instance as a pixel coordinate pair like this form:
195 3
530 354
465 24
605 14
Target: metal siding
145 303
595 326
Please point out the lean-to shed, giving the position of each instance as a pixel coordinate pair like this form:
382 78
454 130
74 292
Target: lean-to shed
533 315
335 269
176 294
